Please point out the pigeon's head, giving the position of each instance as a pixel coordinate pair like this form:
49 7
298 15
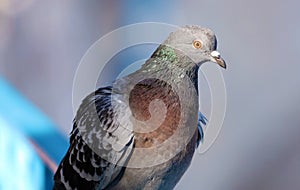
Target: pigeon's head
198 43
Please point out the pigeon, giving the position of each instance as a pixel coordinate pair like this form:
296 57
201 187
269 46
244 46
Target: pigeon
142 131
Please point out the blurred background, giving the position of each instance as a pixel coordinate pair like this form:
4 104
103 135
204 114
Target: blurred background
42 43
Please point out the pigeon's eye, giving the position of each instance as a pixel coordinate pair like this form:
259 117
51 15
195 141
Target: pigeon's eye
197 44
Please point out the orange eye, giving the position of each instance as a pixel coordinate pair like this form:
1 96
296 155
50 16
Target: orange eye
197 44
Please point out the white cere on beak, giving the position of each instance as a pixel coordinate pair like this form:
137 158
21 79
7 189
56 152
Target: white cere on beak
215 54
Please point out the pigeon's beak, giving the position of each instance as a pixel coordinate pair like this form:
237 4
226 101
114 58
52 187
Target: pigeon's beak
216 57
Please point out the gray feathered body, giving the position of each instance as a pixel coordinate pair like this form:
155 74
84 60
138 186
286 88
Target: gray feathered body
105 147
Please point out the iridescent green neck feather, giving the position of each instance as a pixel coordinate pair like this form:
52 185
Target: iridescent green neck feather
171 64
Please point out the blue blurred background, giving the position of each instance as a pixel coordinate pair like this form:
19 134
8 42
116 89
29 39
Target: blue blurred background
42 42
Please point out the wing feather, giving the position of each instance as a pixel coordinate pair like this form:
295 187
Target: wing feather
100 145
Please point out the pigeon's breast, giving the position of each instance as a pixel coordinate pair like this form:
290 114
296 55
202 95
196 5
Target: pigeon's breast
158 126
156 112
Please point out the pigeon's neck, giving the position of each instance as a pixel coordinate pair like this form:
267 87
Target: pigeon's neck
166 53
171 65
